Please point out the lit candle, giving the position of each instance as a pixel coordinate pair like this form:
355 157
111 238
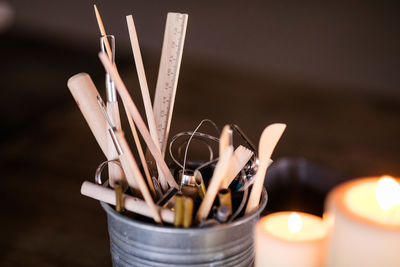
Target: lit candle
292 239
364 219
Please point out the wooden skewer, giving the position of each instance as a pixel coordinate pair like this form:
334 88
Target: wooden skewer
85 94
133 174
224 139
102 30
241 156
141 154
115 172
130 203
130 105
269 139
221 169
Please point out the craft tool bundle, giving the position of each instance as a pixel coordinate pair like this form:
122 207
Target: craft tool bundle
224 187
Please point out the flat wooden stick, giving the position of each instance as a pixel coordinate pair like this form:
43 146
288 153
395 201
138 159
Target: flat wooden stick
85 94
141 154
133 174
241 156
142 79
130 105
224 139
269 139
221 169
144 88
130 203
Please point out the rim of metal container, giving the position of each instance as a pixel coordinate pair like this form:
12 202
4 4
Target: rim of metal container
171 229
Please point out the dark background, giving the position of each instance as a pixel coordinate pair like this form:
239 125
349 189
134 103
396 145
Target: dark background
330 70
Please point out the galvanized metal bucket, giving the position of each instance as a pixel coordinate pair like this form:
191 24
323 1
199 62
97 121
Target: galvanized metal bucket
136 243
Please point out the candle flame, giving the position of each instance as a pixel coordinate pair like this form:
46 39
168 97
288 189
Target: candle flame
387 192
294 222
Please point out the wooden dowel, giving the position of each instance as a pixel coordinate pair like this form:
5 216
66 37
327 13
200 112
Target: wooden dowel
130 203
130 105
133 174
241 156
221 169
141 154
85 94
269 139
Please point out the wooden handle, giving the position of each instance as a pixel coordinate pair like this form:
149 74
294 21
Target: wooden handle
130 203
133 174
221 169
85 94
130 105
269 139
114 172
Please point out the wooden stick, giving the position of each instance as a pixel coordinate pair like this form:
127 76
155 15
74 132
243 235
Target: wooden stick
130 203
221 169
142 79
141 154
144 88
115 172
85 94
102 31
133 174
241 156
269 139
224 139
130 105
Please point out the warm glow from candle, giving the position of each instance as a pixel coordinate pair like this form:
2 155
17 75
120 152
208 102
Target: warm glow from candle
387 193
376 199
294 222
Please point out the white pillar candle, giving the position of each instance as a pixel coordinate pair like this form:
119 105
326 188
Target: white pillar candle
364 216
292 239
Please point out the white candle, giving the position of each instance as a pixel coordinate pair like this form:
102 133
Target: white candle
364 216
292 239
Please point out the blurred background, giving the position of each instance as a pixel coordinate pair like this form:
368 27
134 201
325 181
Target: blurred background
330 70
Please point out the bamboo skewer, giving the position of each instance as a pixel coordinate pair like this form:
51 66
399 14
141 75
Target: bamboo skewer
134 176
130 203
241 156
268 140
102 30
221 169
130 105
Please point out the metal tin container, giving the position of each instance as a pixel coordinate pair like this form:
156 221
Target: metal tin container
136 243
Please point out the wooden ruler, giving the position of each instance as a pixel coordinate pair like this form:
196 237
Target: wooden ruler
168 74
